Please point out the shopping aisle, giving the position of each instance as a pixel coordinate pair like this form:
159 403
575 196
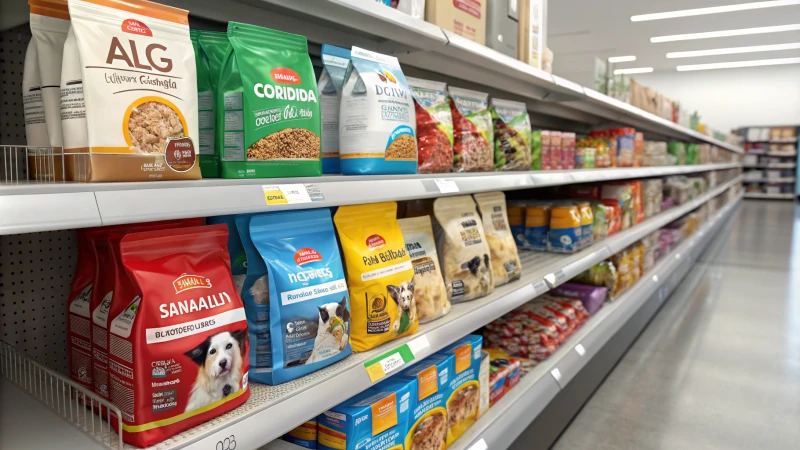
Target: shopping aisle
718 367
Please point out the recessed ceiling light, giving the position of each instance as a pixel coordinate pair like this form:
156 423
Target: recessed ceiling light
735 64
617 59
726 33
734 50
713 10
633 70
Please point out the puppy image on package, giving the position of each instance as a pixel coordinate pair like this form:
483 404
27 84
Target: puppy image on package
332 336
403 295
220 361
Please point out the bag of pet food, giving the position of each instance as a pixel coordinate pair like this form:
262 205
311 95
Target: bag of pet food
434 126
215 47
50 22
375 419
255 296
186 336
512 135
473 134
379 274
209 162
536 149
309 307
465 395
331 81
376 121
139 79
505 259
235 249
33 105
430 294
271 112
79 331
303 436
462 248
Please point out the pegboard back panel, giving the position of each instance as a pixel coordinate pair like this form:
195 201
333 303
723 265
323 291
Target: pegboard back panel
13 45
36 273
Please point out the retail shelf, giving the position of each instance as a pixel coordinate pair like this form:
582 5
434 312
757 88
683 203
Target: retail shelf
770 166
278 406
425 46
506 420
782 154
770 180
765 195
29 207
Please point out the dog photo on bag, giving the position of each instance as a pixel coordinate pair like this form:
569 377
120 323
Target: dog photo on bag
219 358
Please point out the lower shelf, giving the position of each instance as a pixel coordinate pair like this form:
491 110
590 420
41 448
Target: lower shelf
510 416
769 196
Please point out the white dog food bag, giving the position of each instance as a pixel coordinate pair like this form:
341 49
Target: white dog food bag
429 291
139 85
33 106
178 353
309 306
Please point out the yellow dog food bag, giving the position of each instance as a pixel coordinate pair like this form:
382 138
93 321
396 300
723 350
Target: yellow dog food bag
379 274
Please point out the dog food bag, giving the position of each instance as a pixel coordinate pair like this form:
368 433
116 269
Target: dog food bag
473 134
215 48
483 384
50 22
255 296
430 294
376 122
462 248
536 149
186 336
463 405
566 233
537 226
512 135
505 259
379 273
235 249
376 419
434 126
209 161
331 81
308 300
516 223
139 81
79 331
33 106
303 436
271 121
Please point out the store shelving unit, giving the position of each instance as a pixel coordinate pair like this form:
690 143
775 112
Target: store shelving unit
769 196
766 151
278 405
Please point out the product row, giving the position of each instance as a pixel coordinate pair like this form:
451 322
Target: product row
429 406
141 103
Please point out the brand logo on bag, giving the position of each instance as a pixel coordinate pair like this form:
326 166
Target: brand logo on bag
306 255
376 241
186 282
284 75
133 26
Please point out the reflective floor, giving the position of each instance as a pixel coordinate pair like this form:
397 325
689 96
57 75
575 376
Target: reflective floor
719 365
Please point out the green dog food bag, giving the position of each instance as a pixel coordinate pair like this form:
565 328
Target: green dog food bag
214 48
205 115
512 135
271 119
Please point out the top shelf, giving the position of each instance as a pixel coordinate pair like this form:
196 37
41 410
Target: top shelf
428 50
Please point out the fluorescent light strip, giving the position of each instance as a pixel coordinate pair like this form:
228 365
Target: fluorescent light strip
619 59
633 70
734 50
726 33
713 10
737 64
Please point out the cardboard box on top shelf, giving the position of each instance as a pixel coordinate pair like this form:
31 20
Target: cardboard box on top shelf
532 36
466 18
502 26
638 95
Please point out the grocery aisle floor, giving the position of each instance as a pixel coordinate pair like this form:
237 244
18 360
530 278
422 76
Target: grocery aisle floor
719 365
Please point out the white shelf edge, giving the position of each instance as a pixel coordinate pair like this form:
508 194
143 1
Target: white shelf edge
519 407
28 207
770 180
765 195
334 384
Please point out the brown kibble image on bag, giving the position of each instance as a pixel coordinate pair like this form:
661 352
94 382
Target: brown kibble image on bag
295 143
404 147
151 124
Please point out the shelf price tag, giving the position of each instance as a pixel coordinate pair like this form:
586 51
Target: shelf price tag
290 194
540 287
392 360
556 374
580 349
446 186
480 445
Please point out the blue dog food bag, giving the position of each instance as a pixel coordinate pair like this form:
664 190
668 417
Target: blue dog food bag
235 249
463 403
309 306
376 419
255 296
331 81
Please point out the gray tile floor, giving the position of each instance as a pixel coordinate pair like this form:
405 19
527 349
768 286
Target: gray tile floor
719 365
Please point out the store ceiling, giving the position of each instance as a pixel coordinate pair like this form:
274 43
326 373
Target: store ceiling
579 30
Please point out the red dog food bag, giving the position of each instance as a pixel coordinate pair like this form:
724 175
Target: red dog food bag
79 331
182 344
